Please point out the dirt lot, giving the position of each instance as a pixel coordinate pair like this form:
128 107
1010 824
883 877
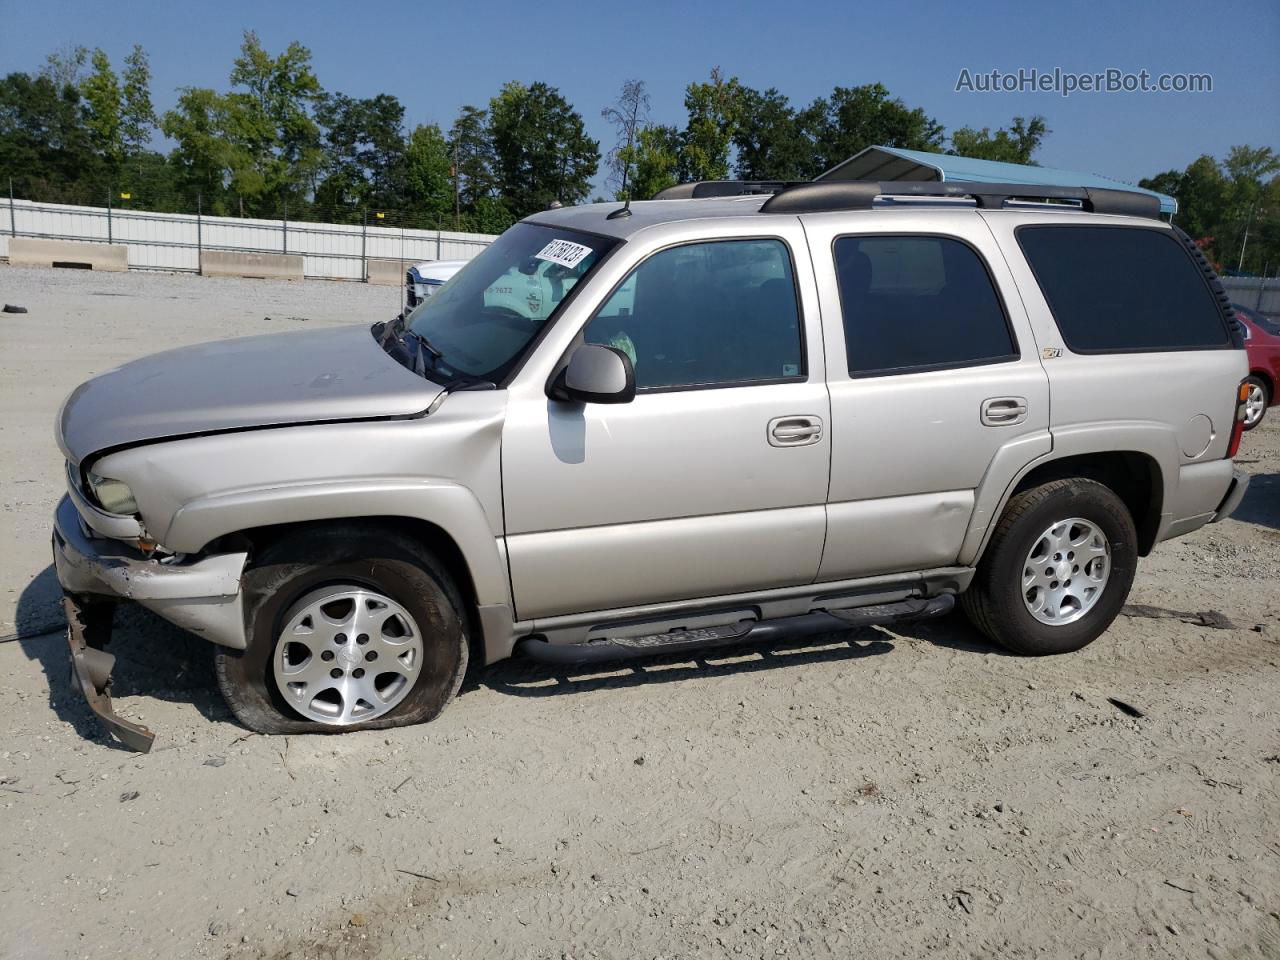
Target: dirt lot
870 794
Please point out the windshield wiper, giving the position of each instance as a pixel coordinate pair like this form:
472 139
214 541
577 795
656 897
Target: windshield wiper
423 345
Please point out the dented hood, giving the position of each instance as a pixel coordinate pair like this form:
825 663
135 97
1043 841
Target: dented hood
277 379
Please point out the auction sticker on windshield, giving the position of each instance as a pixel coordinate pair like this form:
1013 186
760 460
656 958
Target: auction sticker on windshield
564 252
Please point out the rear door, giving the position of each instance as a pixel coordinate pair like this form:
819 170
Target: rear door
935 382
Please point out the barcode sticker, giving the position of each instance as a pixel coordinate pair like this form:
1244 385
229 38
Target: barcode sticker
564 252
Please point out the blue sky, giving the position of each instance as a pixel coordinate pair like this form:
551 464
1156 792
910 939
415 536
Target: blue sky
436 57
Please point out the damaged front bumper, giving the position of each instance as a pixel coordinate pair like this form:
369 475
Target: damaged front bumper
201 595
88 630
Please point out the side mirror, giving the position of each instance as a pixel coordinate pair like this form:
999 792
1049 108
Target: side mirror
597 374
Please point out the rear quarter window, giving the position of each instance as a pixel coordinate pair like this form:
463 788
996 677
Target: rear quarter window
1123 289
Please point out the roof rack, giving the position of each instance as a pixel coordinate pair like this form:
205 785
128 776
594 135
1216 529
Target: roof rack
862 194
724 188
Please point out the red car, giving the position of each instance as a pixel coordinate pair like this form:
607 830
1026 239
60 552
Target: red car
1262 338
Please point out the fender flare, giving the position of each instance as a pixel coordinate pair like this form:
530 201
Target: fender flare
448 505
1155 440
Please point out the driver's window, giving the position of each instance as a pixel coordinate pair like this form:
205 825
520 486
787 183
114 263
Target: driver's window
716 313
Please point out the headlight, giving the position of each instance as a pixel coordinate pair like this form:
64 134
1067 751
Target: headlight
114 496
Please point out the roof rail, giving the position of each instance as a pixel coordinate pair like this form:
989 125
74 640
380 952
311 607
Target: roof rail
723 188
861 195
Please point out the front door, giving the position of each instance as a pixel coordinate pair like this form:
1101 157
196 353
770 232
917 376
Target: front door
713 479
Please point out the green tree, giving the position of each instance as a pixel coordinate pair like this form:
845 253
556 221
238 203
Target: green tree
657 160
204 155
855 118
101 93
44 140
773 141
471 153
489 215
1249 214
1232 208
271 122
541 149
1201 192
428 184
1016 144
137 114
714 108
364 154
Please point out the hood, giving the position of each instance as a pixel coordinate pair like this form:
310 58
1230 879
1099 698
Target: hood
272 380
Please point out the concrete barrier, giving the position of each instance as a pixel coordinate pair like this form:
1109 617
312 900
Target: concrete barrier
387 273
262 266
35 252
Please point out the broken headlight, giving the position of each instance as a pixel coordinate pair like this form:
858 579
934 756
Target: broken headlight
114 496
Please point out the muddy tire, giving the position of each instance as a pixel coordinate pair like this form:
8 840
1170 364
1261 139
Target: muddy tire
1057 570
376 635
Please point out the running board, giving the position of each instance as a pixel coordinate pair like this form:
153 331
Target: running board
604 649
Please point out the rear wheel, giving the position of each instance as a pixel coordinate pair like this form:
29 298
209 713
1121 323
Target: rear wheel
1057 570
348 628
1256 402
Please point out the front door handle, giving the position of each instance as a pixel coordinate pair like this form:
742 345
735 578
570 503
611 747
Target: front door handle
1003 411
795 431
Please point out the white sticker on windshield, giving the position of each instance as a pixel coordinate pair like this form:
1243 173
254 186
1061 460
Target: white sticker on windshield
564 252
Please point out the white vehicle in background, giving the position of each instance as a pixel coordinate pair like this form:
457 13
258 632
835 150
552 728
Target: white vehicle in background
530 290
426 278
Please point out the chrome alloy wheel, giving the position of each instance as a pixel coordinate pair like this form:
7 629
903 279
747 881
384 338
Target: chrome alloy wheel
347 654
1255 404
1066 571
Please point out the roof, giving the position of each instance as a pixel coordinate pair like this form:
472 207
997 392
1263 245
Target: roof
593 217
895 163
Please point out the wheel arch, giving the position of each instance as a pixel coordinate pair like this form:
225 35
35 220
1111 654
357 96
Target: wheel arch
1144 475
444 517
1268 380
1133 476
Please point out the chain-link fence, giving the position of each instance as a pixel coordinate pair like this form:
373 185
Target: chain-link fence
179 241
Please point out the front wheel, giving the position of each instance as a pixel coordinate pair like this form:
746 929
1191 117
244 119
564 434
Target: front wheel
1057 570
348 628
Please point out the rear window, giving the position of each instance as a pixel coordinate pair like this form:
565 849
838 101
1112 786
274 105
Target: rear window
1123 289
914 303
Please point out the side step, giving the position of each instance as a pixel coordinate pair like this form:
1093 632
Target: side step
605 649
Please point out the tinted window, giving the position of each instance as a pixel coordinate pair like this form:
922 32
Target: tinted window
706 313
917 302
1122 288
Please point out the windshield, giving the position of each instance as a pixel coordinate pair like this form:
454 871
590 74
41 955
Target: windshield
479 324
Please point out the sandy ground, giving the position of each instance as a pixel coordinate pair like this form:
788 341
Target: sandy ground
869 794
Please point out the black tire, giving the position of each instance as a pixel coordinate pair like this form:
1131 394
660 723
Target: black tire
371 556
994 602
1260 384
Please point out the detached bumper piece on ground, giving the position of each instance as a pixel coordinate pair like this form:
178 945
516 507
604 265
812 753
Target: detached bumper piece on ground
88 630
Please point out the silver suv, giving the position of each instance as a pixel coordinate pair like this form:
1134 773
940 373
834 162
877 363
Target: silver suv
839 404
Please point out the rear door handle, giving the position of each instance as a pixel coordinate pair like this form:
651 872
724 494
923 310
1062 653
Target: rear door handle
795 431
1003 411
